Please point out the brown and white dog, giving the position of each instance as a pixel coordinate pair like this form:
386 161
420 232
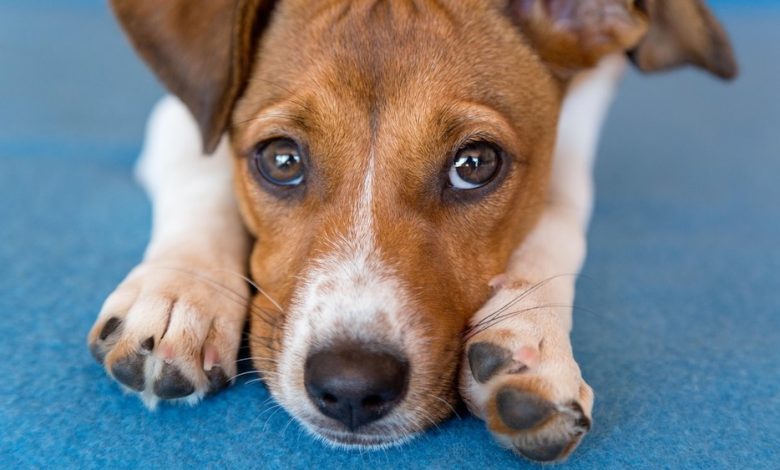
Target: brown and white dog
415 176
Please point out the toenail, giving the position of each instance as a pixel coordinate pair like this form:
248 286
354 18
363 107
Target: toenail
210 358
498 281
528 356
485 359
130 371
111 325
522 410
172 383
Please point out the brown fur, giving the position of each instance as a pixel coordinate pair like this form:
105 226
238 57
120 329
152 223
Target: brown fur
408 101
404 83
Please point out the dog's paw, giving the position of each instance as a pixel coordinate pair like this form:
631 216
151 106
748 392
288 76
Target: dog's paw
520 377
171 334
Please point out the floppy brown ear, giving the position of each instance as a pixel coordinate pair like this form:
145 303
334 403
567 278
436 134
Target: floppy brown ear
200 49
571 35
684 32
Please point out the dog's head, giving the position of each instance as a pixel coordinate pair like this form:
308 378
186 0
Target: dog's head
389 157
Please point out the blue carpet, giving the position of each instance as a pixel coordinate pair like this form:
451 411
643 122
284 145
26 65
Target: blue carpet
680 339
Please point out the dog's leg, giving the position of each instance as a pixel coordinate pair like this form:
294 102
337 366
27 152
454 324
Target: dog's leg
519 373
172 328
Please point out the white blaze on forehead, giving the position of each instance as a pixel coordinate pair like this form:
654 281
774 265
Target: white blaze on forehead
350 288
364 215
347 295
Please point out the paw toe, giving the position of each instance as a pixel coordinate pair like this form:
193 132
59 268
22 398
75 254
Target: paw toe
522 410
545 452
581 421
101 345
172 384
130 371
486 359
110 327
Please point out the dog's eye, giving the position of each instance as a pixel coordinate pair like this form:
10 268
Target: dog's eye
279 162
474 166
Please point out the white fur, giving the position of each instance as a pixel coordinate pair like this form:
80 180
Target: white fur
553 253
189 293
347 296
192 194
195 213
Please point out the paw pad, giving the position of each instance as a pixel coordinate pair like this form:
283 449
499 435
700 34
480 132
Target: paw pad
521 410
130 371
172 384
486 359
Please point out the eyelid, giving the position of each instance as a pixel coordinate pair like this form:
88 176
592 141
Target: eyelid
476 138
271 133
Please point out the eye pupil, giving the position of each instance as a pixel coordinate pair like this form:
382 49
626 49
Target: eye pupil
279 162
284 162
474 166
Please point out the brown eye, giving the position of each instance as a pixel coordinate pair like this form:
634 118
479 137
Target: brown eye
279 162
475 165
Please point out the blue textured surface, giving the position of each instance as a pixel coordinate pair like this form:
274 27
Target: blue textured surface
680 339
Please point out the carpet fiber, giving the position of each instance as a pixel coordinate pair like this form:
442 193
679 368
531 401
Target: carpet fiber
679 334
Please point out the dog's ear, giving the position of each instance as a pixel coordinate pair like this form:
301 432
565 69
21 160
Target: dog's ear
684 32
200 49
571 35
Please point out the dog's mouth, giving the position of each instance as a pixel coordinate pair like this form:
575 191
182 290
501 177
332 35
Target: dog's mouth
358 440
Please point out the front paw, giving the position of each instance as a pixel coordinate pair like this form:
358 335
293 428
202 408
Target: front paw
521 378
170 333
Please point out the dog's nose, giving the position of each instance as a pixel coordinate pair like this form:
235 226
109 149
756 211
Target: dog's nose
355 384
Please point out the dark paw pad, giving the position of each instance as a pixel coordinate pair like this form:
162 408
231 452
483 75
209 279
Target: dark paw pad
148 345
486 359
217 379
563 433
130 371
581 422
98 352
547 451
172 384
110 327
521 410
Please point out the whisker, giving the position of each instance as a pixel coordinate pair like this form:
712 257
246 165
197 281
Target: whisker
508 315
250 359
517 299
256 286
448 404
276 410
249 281
240 374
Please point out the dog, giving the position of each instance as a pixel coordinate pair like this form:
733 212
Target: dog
407 183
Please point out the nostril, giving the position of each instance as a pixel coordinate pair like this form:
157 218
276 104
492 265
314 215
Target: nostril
329 399
354 384
372 402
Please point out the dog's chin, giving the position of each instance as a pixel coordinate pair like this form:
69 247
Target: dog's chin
357 440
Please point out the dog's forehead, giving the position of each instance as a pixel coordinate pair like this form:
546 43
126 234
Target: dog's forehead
396 82
369 52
